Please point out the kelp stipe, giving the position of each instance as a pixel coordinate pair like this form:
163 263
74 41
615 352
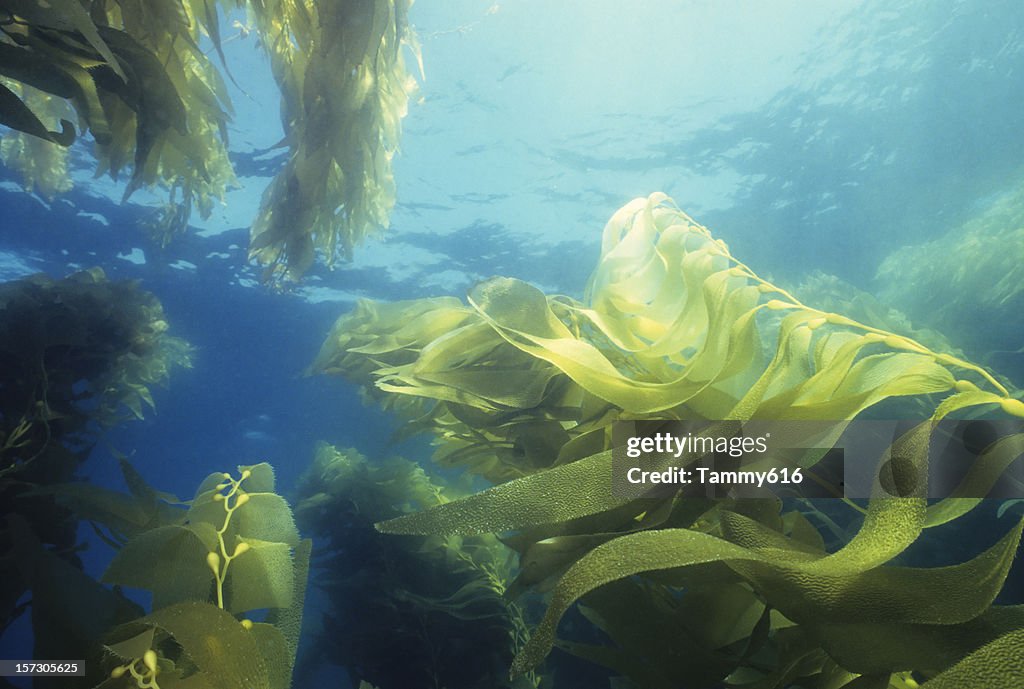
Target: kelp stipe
674 327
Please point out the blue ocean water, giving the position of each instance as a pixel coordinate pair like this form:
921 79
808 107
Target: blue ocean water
809 136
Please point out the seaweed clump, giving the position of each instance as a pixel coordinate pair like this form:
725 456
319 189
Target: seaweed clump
690 590
435 602
134 77
76 355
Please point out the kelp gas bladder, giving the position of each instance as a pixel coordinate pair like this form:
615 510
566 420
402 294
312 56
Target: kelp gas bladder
523 388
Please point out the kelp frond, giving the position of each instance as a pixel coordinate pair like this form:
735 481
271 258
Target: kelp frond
524 388
344 91
138 82
154 103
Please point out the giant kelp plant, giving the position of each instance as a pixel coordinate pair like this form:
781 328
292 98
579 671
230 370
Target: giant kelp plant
523 389
436 602
234 549
76 355
134 75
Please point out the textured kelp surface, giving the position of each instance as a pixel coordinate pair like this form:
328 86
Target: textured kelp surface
132 74
522 388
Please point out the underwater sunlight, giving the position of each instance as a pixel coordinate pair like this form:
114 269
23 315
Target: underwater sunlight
317 368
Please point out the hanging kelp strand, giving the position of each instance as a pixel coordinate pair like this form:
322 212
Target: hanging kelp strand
344 91
134 77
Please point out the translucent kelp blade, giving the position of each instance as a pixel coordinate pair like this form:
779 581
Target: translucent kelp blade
218 644
345 90
566 492
262 577
170 561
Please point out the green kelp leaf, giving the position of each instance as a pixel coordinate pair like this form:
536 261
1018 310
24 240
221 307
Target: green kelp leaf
552 556
121 513
800 529
658 640
481 386
134 647
69 609
798 657
144 492
217 643
545 552
399 329
868 682
632 554
343 108
565 492
583 488
265 517
149 90
996 664
981 476
871 648
16 115
754 535
523 316
472 601
832 587
261 478
941 595
212 21
209 486
273 650
65 16
64 80
289 620
261 577
170 561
